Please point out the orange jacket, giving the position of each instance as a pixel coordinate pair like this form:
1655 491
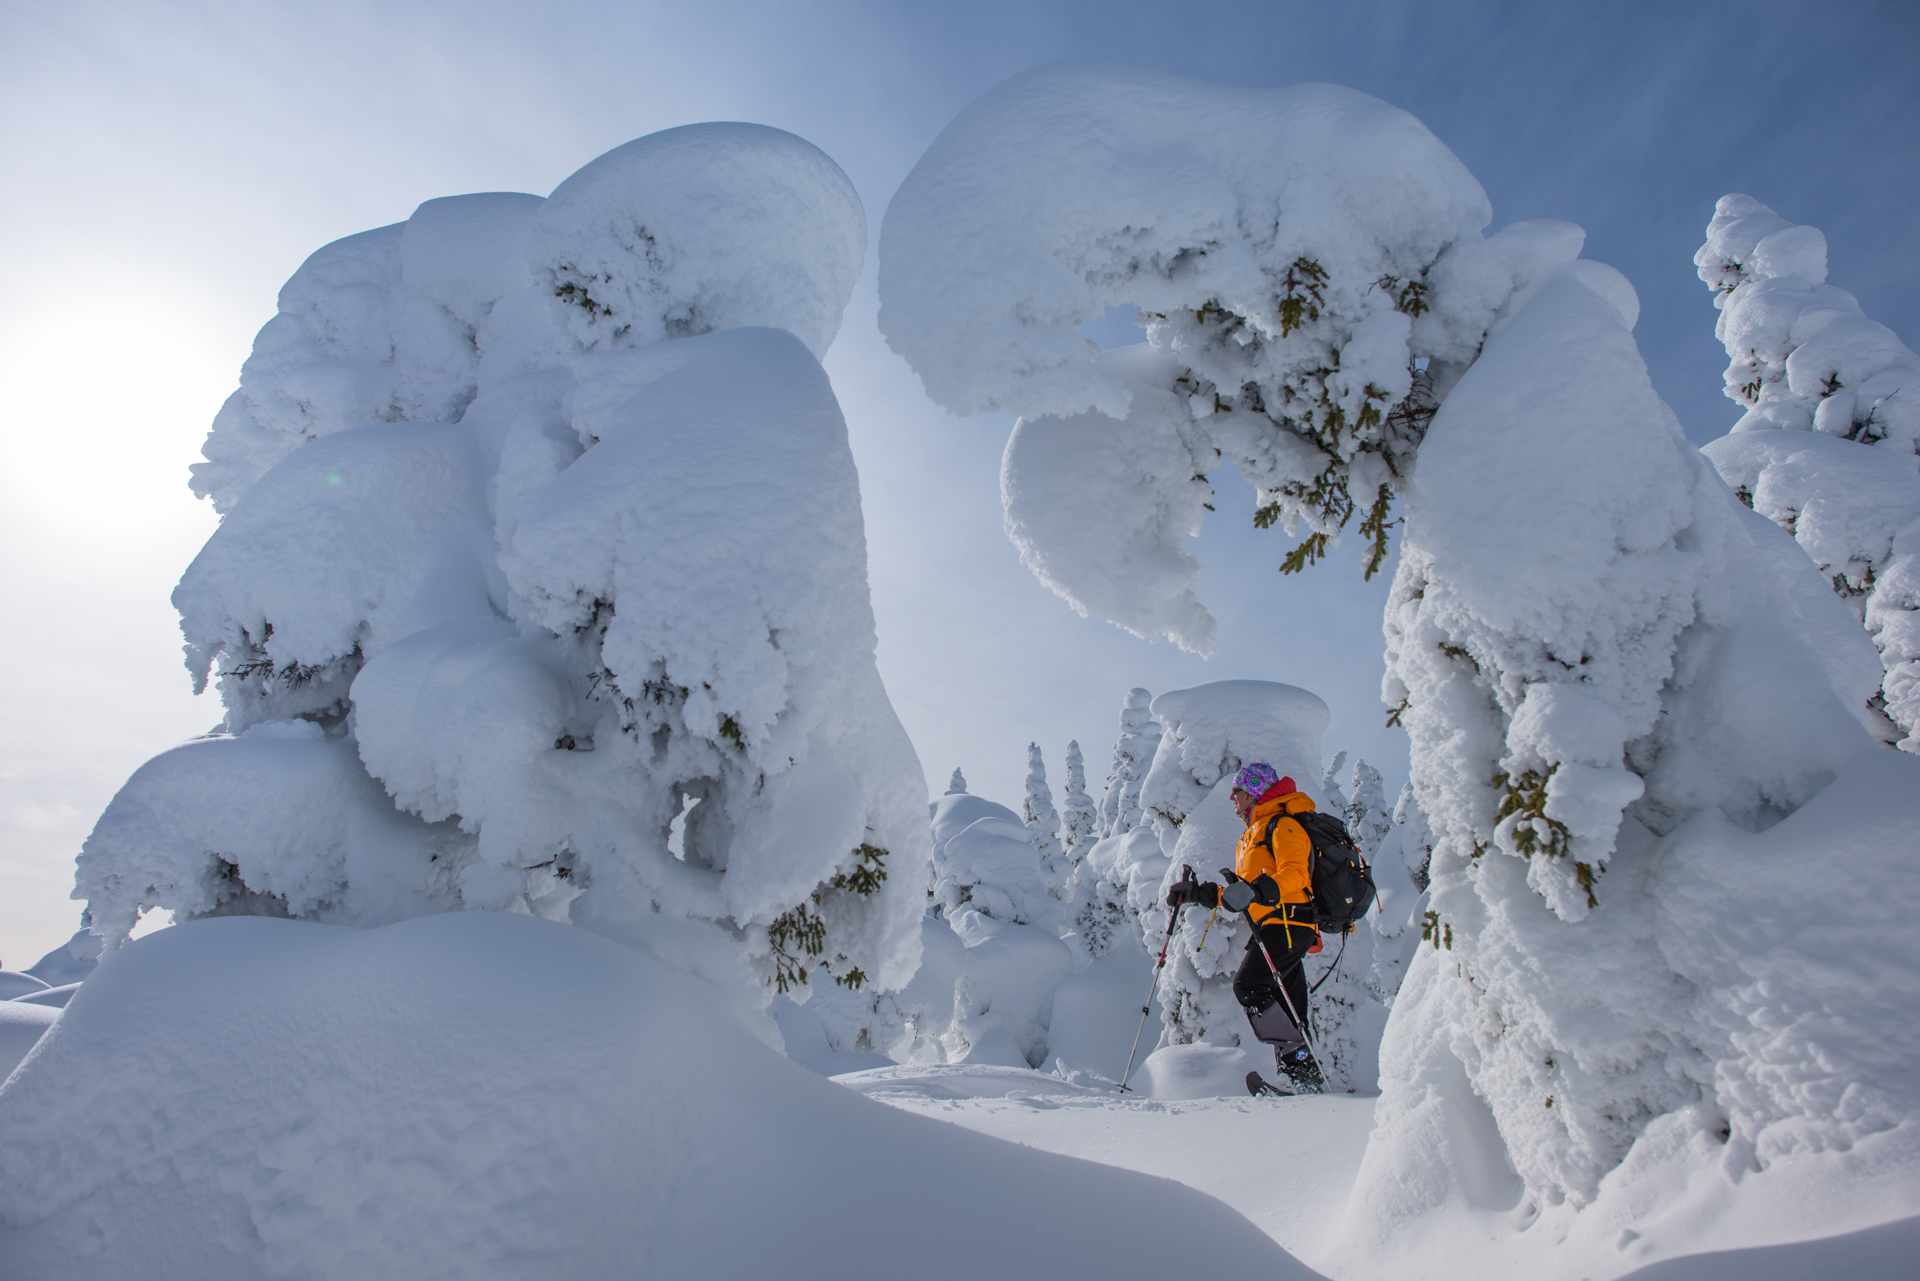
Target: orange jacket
1287 860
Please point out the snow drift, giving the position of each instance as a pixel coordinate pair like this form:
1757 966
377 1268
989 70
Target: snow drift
481 1096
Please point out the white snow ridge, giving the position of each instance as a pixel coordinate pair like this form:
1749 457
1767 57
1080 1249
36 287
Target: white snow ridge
560 840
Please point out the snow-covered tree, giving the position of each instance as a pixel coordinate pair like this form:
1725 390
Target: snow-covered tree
541 586
984 861
1043 825
1658 651
1366 814
1079 822
1415 836
1826 448
957 785
1331 797
1309 266
1607 649
1132 754
991 956
1120 870
1396 851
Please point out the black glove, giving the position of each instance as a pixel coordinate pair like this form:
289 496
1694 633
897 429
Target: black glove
1236 896
1266 890
1207 894
1184 890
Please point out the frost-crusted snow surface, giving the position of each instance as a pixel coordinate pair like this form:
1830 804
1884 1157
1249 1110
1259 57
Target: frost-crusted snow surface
480 1096
600 630
1844 394
1613 649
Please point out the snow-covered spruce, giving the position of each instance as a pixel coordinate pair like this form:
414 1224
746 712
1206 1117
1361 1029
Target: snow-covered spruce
601 632
1119 872
1309 266
1366 813
1331 796
984 861
957 785
1613 648
1079 820
404 323
1843 392
1413 836
1394 850
1043 826
1132 755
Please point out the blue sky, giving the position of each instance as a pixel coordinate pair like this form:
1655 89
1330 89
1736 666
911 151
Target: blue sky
169 166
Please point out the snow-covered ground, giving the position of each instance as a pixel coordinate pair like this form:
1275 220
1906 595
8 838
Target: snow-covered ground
1288 1166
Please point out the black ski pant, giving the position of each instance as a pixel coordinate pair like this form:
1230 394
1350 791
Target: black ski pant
1253 985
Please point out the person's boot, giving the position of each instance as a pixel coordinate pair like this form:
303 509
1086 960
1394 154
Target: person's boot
1300 1069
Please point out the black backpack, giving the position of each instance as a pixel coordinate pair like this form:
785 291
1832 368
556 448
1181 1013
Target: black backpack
1342 882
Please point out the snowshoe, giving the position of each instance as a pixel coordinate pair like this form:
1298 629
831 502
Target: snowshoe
1259 1088
1302 1072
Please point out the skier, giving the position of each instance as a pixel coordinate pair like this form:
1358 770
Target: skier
1274 858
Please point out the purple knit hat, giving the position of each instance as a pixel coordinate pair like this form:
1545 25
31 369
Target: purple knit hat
1255 779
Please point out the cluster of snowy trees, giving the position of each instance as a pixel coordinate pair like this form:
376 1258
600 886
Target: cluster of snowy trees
1020 902
1595 648
540 588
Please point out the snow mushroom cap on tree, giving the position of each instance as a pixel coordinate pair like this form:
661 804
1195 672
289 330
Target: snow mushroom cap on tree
1214 729
1078 186
703 227
1309 267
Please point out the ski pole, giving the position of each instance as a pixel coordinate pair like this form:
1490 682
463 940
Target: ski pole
1146 1009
